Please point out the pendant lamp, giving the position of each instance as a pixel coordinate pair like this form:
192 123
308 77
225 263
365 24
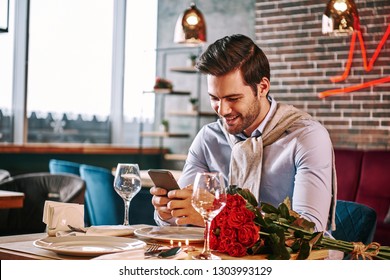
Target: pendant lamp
340 18
190 27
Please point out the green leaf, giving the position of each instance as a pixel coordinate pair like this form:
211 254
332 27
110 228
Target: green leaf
284 211
277 243
259 219
272 216
287 202
304 224
316 238
232 189
298 234
296 245
304 251
307 246
248 196
268 208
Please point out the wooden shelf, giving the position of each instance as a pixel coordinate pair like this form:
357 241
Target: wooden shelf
192 114
182 157
168 92
164 134
189 70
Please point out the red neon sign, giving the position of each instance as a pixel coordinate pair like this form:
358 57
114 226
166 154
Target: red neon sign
367 66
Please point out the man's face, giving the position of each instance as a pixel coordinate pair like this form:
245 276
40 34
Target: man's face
236 103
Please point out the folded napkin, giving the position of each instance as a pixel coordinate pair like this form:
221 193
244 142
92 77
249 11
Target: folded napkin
139 254
115 230
58 215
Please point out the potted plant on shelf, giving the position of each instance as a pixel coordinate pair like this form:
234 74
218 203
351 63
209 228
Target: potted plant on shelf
164 126
162 84
194 104
191 60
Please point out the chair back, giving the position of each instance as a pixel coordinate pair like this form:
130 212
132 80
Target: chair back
62 166
58 166
37 188
4 174
103 204
354 222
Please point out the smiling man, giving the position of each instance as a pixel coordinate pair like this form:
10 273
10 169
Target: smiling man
273 149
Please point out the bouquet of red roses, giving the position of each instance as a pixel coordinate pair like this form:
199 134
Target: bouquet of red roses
243 227
233 230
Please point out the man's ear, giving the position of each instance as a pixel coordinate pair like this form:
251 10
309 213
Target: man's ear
263 87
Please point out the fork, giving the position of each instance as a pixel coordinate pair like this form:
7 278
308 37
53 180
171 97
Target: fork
77 229
153 249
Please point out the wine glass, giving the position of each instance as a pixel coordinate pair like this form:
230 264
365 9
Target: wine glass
208 198
127 184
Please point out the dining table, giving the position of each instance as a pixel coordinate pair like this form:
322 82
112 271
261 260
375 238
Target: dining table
11 199
21 247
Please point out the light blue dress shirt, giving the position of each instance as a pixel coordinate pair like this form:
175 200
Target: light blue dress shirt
298 165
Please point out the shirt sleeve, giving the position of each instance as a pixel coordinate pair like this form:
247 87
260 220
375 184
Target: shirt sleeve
195 161
313 180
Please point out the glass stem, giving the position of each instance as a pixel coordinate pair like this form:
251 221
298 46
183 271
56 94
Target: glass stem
206 248
127 206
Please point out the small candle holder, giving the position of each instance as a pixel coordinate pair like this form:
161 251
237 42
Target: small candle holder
189 248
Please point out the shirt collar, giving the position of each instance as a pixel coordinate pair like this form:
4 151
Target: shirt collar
259 130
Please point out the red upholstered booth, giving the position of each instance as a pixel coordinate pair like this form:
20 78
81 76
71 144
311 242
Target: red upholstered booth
364 177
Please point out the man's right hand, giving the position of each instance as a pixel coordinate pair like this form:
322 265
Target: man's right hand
160 201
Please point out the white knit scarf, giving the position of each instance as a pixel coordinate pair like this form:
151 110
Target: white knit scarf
247 156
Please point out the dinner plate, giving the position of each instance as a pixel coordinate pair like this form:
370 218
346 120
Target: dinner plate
168 233
88 246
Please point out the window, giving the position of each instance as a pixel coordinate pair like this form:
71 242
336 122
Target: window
140 67
70 62
6 77
69 75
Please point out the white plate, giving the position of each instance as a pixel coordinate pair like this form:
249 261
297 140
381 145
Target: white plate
192 234
88 245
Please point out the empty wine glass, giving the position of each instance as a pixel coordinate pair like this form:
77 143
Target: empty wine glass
208 198
127 184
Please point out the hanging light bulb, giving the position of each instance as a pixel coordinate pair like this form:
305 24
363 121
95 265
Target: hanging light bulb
190 27
340 17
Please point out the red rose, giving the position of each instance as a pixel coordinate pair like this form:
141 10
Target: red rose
235 201
228 232
233 230
221 219
237 250
248 235
224 245
239 217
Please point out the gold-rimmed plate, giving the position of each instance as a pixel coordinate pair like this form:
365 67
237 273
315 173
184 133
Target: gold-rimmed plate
174 233
88 246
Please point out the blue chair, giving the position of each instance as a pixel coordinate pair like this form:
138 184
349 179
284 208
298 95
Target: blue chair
104 206
354 222
62 166
58 166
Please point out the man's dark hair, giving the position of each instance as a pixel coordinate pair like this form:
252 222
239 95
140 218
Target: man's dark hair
235 52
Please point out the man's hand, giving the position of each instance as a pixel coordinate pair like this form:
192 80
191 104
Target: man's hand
160 201
181 207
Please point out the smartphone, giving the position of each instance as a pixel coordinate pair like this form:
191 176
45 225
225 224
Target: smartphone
163 179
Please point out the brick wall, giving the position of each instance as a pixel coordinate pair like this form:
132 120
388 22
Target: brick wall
303 59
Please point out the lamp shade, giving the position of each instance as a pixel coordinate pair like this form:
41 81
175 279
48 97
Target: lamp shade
340 17
190 27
